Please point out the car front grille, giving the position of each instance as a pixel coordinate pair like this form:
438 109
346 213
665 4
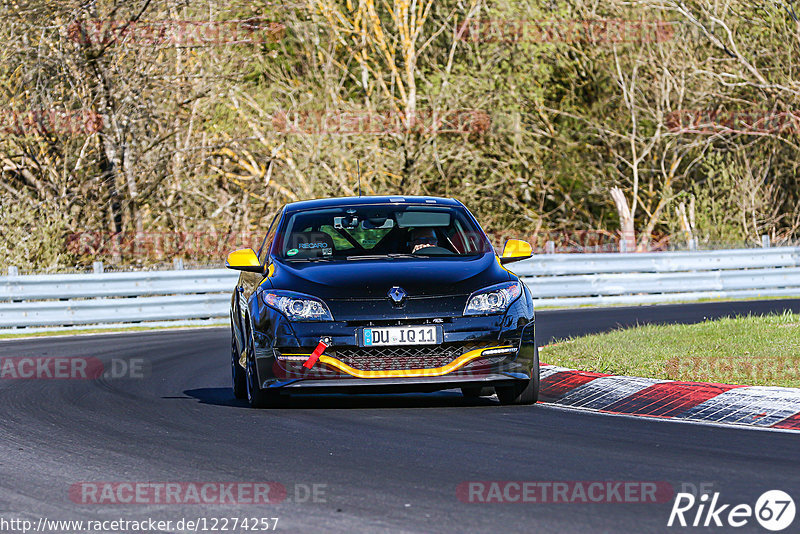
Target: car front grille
403 358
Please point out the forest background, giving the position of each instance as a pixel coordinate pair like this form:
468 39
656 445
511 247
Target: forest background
140 131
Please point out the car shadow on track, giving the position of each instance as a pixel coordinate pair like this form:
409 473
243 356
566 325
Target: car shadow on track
224 397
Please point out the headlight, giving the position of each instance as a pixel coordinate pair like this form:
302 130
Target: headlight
297 306
494 299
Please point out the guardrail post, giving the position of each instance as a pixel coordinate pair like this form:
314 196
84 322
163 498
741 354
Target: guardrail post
692 244
623 245
177 264
765 241
97 267
13 271
550 247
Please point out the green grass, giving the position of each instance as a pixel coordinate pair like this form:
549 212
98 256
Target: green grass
70 332
754 350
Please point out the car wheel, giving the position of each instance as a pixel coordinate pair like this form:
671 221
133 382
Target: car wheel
257 397
525 393
238 374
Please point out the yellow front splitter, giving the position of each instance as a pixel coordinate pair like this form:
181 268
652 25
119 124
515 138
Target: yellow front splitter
406 373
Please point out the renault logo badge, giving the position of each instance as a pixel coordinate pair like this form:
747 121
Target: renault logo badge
397 294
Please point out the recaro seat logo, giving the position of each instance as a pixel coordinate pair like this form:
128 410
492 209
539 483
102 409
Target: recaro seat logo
774 510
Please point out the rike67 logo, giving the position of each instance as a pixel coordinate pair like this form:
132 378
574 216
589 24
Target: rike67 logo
774 510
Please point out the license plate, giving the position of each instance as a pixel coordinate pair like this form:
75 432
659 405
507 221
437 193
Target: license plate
401 335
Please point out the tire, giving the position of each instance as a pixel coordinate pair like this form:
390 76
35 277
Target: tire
238 374
257 397
527 392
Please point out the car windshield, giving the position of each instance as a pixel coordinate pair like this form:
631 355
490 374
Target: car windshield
366 231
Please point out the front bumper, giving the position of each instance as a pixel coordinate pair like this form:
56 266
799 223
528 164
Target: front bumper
483 351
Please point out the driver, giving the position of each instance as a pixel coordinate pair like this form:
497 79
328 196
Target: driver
423 238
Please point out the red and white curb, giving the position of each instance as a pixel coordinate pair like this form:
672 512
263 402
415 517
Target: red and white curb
760 406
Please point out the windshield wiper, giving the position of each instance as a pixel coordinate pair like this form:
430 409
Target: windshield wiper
399 255
381 256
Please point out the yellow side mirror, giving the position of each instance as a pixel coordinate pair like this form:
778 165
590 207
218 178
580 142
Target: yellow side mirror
516 250
244 260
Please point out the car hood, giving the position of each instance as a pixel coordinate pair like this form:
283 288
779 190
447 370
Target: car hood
372 279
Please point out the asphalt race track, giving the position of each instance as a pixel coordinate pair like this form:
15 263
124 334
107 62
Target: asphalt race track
380 463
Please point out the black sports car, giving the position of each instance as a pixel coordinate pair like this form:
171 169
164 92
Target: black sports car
381 293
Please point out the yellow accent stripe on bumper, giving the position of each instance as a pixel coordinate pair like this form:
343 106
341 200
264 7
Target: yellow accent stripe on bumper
408 373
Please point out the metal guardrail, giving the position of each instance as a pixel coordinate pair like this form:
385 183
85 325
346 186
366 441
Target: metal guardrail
582 279
554 280
79 299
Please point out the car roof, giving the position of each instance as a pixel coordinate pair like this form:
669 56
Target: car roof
355 201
